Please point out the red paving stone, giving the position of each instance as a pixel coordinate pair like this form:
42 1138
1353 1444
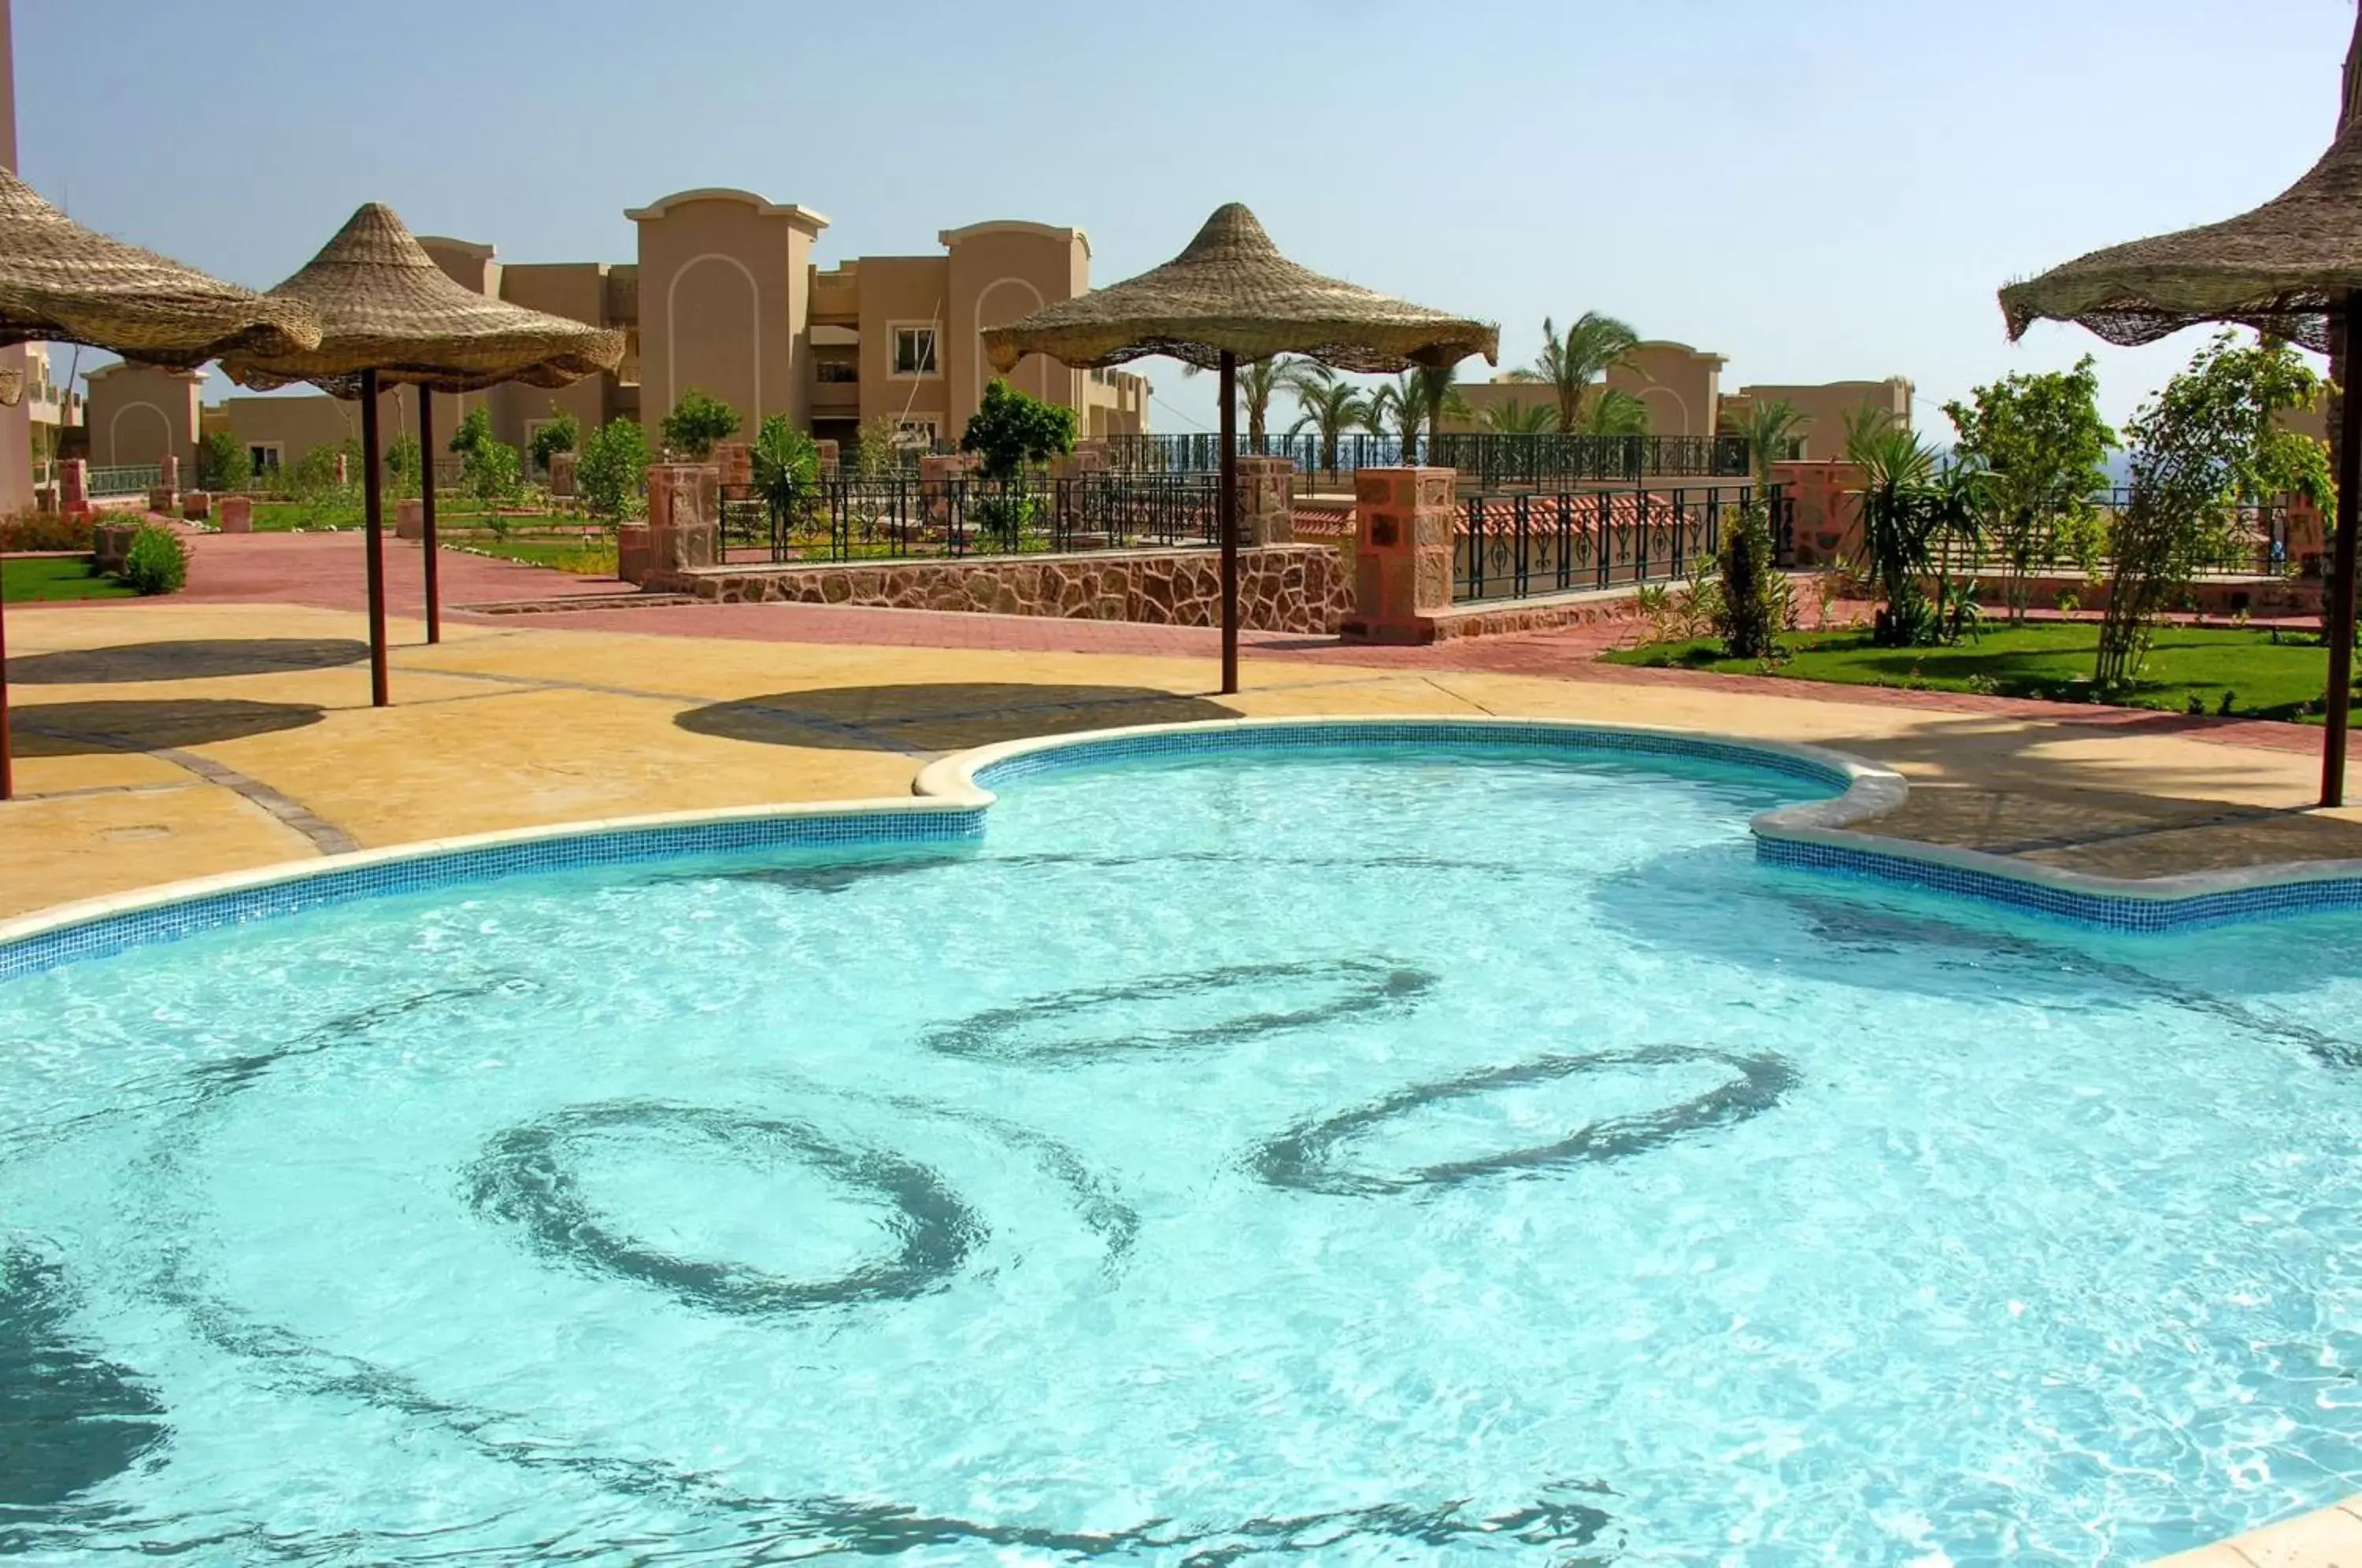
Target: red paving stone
326 570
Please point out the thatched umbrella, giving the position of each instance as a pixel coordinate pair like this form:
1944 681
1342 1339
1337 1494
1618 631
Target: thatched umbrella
1231 295
2292 269
390 316
61 282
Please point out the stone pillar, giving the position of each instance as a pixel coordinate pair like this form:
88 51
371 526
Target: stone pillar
410 519
735 459
73 488
1827 518
561 473
684 517
828 457
1266 501
196 505
165 494
1402 522
237 514
632 554
937 510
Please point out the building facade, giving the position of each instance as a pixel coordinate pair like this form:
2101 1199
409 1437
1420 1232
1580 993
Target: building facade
1682 389
725 297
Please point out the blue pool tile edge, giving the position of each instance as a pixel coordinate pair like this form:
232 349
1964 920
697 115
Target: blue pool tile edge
954 795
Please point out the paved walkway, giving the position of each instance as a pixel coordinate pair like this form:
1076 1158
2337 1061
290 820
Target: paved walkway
229 727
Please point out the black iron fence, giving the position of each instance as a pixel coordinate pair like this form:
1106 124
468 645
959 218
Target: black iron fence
904 518
1486 458
1519 545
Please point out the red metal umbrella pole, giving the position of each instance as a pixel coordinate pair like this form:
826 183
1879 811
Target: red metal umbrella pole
2341 589
1225 510
373 523
426 510
7 746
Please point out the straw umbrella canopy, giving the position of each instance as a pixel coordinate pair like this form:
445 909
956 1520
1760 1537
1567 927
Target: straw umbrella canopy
1231 295
390 316
2292 269
61 282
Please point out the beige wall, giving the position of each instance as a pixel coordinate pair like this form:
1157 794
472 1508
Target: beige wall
1681 386
999 272
1827 406
723 302
579 291
137 413
299 423
15 423
904 291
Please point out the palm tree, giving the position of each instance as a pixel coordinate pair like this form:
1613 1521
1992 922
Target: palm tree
1510 417
1420 397
1615 413
1594 345
1258 380
1436 386
1326 403
1904 509
1772 428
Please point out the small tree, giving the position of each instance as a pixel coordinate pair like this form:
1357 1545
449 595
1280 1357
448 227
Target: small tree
311 484
475 429
563 433
1012 431
1907 508
697 422
876 450
2206 442
2043 443
223 462
787 469
614 459
405 461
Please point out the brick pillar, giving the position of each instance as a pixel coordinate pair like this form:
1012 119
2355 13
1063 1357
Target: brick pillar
684 517
166 493
736 461
410 519
237 514
73 487
196 505
1827 516
936 472
561 473
828 457
1266 501
1403 521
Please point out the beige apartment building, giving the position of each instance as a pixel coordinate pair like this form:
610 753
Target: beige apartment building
725 297
1682 389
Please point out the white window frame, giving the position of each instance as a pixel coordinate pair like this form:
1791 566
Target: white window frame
923 431
894 350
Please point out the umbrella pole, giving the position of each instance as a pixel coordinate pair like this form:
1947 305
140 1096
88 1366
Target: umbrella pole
426 510
1225 510
373 522
2341 591
7 744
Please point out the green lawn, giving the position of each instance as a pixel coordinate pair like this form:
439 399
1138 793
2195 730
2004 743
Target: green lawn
56 576
591 558
288 516
2264 679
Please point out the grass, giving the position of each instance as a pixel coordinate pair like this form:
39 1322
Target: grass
2261 677
295 516
588 559
31 581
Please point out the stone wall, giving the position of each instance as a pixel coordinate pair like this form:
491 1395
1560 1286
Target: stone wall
1282 587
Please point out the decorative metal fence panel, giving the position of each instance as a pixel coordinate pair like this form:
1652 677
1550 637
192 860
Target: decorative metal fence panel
1489 458
904 518
125 479
1521 544
2269 539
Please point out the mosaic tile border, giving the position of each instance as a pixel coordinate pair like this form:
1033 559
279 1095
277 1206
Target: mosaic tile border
951 798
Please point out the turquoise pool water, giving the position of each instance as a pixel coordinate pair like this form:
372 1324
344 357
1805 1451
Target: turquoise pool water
1337 1159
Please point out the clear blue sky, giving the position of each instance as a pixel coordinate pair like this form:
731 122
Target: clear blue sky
1820 189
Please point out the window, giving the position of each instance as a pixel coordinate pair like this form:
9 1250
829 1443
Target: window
914 350
262 456
917 433
836 372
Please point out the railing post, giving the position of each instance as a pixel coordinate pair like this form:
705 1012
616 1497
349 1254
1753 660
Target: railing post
1599 510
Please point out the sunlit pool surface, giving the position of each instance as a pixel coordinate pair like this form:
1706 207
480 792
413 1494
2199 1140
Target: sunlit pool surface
1345 1160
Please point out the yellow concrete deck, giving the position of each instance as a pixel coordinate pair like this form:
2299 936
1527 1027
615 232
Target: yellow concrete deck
157 742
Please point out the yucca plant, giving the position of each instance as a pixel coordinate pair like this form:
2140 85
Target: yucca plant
1908 506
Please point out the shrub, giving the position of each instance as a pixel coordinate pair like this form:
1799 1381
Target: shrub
614 461
157 561
223 462
562 434
697 421
493 474
1751 610
44 531
405 461
475 429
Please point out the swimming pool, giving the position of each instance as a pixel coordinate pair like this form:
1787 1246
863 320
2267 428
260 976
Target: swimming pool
1416 1156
